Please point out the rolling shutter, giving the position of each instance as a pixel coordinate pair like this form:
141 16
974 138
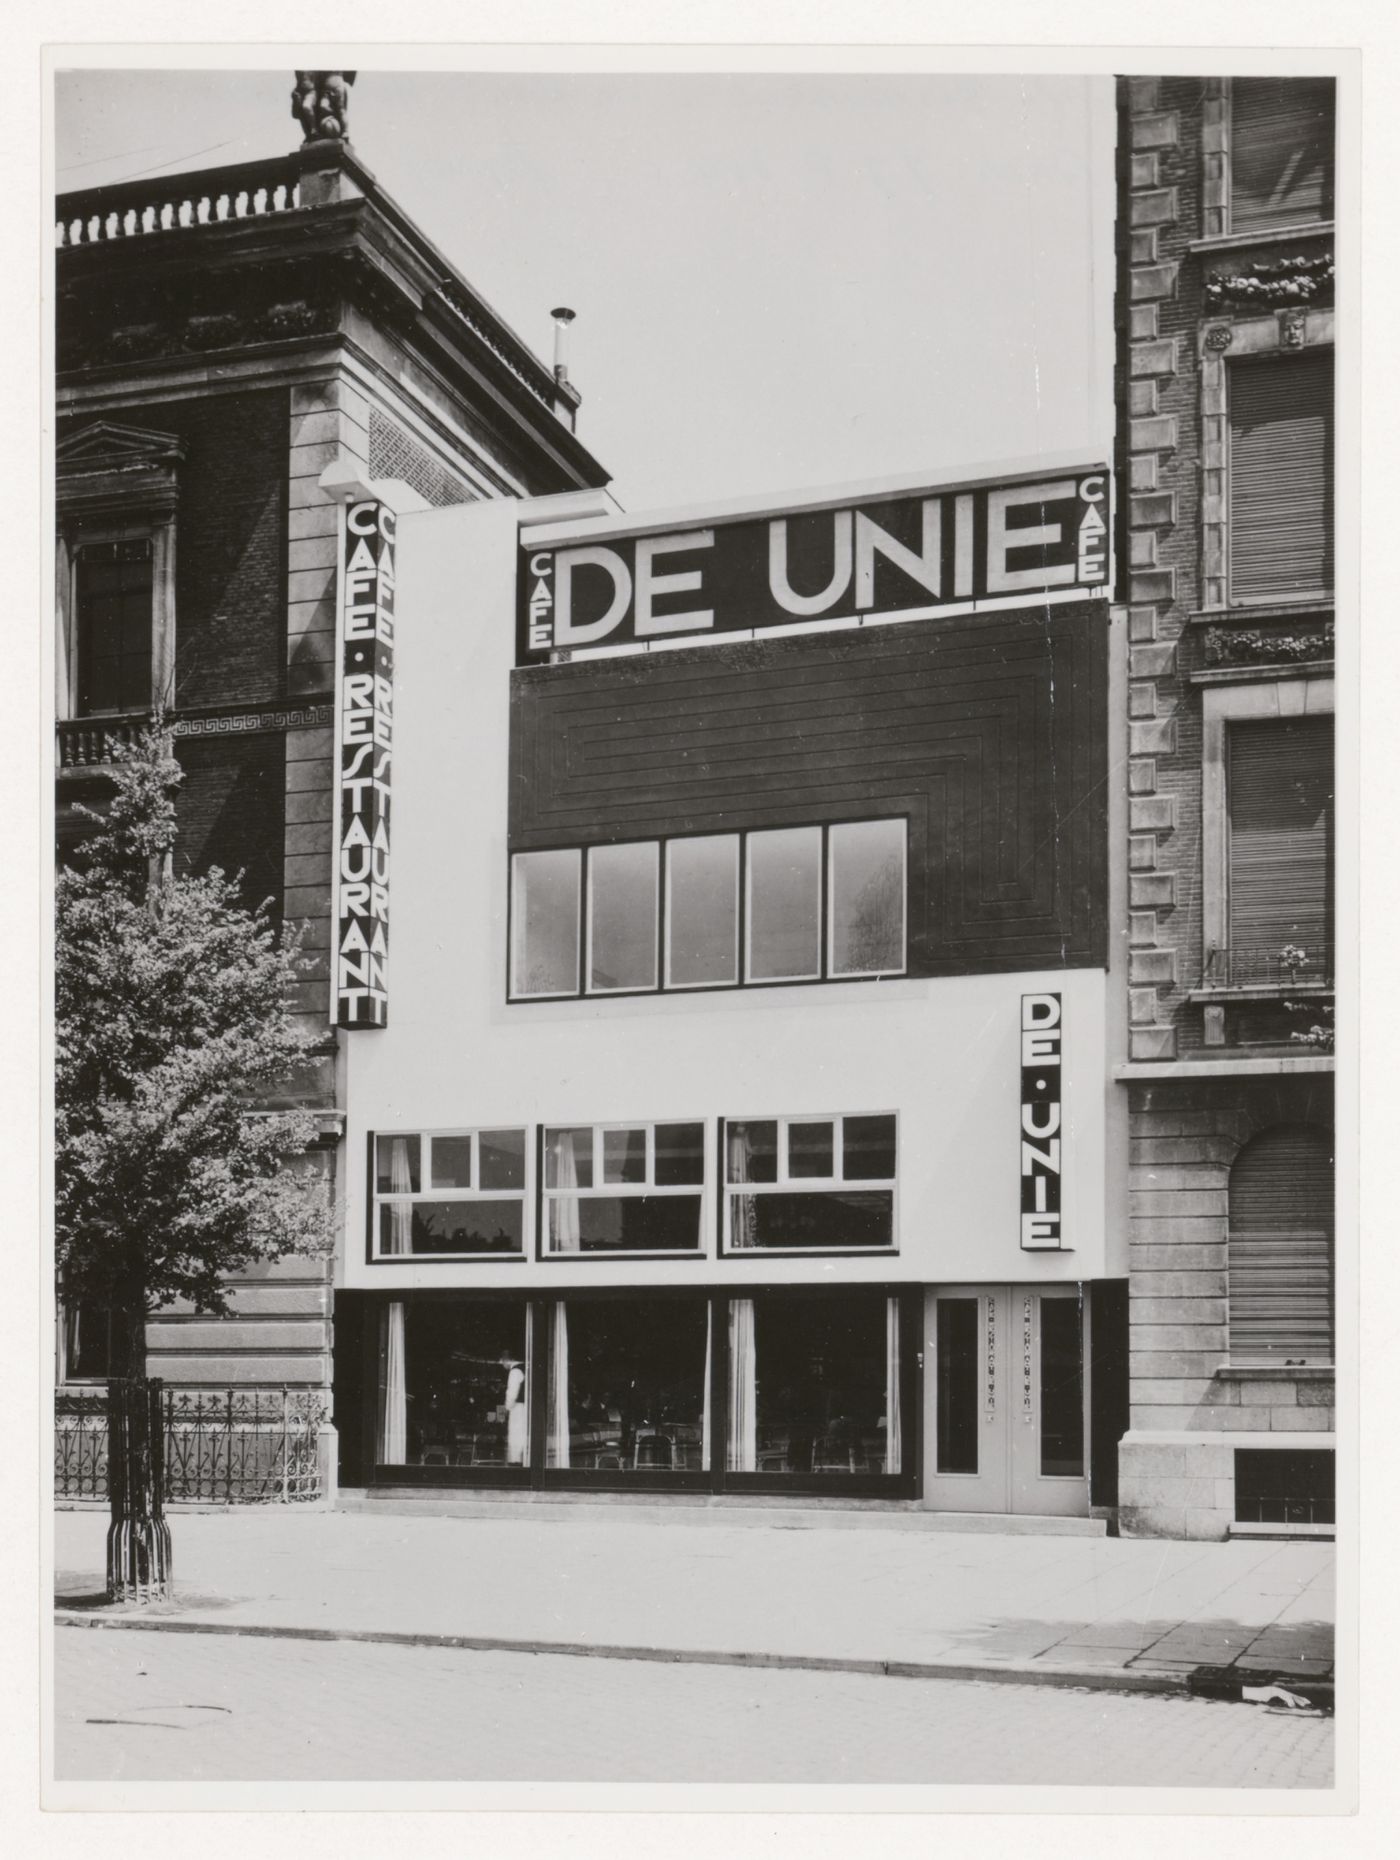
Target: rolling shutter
1280 1248
1281 477
1280 789
1282 162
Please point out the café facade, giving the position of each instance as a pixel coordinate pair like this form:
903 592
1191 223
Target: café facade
723 906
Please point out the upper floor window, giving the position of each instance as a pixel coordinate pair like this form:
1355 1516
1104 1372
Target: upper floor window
623 1188
1280 844
1282 160
449 1194
788 904
113 590
85 1343
809 1183
1280 477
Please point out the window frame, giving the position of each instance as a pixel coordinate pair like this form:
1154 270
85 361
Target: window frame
825 977
1246 701
377 1200
609 1191
658 914
787 1183
1288 229
1260 359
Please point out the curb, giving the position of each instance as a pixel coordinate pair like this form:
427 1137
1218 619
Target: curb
1096 1678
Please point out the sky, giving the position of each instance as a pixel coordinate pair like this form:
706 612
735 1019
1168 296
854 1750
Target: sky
781 281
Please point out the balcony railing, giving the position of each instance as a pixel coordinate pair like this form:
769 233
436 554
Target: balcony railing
88 742
129 209
1306 968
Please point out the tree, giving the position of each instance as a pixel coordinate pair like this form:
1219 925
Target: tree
173 1028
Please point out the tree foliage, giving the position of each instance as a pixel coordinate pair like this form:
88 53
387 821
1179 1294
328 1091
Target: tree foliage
173 1030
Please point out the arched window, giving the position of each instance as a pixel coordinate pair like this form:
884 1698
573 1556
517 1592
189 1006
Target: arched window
1280 1253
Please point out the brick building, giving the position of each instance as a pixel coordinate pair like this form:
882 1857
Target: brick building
232 347
1224 383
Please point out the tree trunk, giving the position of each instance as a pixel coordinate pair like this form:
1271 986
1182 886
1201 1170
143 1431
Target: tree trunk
139 1560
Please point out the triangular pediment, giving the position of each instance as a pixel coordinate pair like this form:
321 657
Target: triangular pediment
107 444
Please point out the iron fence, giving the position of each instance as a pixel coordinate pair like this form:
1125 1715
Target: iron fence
222 1447
1306 968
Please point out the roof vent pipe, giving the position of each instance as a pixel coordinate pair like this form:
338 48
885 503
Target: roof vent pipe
563 316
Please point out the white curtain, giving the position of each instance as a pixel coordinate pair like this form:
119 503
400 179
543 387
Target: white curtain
742 1225
557 1445
400 1212
393 1389
705 1412
564 1223
893 1443
743 1388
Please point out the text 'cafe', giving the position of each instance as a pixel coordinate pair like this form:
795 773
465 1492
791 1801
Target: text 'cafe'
733 1119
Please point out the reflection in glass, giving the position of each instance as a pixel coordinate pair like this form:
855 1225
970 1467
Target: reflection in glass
451 1162
629 1385
1061 1389
785 904
602 1223
816 1219
868 1149
814 1384
867 898
502 1159
957 1385
477 1226
544 923
622 906
702 911
625 1156
454 1383
811 1150
680 1154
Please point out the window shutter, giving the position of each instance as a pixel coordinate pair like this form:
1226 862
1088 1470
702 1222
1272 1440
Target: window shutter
1280 789
1281 477
1282 162
1280 1248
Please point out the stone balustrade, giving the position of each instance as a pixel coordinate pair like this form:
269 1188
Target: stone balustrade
130 209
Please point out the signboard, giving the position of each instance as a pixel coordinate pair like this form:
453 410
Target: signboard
1042 1044
906 556
366 759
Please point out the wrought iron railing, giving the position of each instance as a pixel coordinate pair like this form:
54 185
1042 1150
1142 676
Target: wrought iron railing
1302 966
222 1447
129 209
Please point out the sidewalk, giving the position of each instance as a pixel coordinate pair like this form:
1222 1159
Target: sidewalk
1074 1610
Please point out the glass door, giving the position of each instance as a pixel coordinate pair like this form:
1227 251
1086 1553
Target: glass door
1005 1395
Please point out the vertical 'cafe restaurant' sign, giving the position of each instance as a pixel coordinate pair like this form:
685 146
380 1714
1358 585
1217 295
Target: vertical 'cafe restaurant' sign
1042 1047
366 759
1015 543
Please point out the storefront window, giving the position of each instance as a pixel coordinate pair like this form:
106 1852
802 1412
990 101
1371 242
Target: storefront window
957 1381
449 1194
809 1184
624 1189
628 1385
545 922
865 887
702 912
814 1384
454 1383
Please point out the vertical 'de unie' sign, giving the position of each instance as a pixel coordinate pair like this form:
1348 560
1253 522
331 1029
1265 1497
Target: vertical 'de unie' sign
1042 1047
366 759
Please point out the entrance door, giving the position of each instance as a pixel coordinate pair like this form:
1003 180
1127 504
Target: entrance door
1006 1399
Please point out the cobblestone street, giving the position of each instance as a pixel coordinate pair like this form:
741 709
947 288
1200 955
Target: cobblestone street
136 1706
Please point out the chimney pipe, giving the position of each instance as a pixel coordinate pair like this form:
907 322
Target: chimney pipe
563 316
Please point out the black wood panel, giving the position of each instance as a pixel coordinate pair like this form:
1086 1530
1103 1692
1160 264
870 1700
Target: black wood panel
988 731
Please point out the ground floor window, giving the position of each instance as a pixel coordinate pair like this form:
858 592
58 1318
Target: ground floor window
1278 1486
707 1389
454 1383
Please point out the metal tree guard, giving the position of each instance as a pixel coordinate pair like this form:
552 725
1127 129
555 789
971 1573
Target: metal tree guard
140 1563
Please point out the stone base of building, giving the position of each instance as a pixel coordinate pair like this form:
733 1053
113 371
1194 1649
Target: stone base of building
1187 1484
